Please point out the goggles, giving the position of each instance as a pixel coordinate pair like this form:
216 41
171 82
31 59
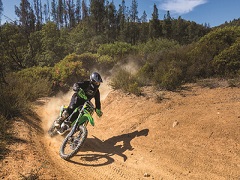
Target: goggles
96 83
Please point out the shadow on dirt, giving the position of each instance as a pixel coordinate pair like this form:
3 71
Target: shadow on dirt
115 145
33 120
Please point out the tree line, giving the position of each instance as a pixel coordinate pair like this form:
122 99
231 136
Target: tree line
103 18
46 32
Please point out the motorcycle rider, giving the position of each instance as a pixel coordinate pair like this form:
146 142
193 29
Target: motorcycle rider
82 91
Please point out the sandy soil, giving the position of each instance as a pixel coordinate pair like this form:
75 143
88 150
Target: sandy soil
187 135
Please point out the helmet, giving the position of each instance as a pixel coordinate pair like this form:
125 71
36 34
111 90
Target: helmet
95 79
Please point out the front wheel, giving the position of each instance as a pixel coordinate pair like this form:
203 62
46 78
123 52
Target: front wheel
72 143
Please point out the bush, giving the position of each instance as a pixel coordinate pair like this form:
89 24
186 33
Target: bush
36 72
156 46
227 63
116 50
21 88
89 60
13 101
4 125
125 81
171 79
168 76
166 69
68 70
214 45
33 82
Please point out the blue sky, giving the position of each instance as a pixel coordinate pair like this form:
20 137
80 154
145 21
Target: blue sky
212 12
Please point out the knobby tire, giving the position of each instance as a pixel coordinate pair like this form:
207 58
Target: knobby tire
83 135
52 130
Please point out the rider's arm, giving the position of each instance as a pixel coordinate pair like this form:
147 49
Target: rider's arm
73 103
97 100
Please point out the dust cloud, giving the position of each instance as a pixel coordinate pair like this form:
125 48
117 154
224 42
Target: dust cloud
131 67
50 111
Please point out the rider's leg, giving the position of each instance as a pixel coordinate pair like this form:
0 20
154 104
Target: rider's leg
59 121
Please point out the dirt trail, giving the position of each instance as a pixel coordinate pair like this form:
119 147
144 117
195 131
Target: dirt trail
191 134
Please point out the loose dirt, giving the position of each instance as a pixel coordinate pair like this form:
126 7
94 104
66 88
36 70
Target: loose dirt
187 135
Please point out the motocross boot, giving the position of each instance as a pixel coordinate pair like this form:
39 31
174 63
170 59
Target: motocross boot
63 129
60 120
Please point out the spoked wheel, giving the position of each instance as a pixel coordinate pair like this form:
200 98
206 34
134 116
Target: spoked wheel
52 130
72 143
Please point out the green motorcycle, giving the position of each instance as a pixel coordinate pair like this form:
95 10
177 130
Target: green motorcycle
74 140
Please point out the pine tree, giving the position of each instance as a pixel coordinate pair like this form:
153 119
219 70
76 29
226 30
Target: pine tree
1 10
167 25
26 16
70 9
60 13
97 14
110 21
180 30
38 12
121 14
144 17
155 29
85 14
134 11
65 14
54 11
78 11
46 12
134 31
144 28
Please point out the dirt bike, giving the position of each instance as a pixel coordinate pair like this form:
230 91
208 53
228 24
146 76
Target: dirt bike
78 130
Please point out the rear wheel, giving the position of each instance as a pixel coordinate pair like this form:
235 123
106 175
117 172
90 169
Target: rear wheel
52 130
72 144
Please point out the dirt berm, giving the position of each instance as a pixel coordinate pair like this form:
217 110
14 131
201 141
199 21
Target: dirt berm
192 134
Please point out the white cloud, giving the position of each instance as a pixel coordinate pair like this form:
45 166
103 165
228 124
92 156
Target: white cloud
180 6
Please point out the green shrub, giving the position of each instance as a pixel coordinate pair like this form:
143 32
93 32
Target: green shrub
134 88
168 76
235 82
171 79
105 63
89 60
145 74
13 101
68 70
213 45
156 45
227 63
4 125
116 50
23 87
36 72
125 81
33 82
166 69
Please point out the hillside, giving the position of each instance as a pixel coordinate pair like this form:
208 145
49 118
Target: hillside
190 134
